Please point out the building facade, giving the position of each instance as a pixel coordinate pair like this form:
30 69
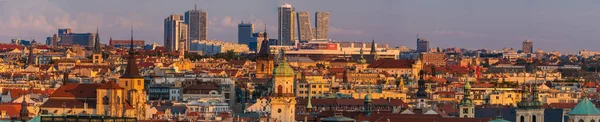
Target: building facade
322 25
527 46
173 32
304 27
245 32
422 45
197 22
286 25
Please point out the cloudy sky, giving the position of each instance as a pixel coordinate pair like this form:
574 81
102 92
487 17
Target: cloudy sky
563 25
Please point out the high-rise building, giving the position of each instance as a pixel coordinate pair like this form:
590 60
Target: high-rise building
175 31
286 25
82 39
322 25
256 40
245 31
527 46
197 22
304 28
422 45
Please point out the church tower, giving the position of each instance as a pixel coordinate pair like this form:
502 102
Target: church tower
97 50
109 100
530 110
374 51
368 105
422 97
264 60
283 100
467 107
133 84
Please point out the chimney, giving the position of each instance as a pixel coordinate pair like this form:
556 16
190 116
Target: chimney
3 113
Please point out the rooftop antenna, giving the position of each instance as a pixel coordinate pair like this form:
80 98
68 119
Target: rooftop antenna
195 7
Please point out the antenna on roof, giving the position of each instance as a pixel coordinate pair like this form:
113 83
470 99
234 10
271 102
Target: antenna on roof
195 6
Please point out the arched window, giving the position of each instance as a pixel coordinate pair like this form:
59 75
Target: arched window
580 120
522 119
279 89
465 116
592 120
533 119
105 100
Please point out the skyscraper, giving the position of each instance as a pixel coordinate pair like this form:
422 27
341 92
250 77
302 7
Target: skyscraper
245 31
322 25
527 46
422 45
175 31
304 26
197 22
286 25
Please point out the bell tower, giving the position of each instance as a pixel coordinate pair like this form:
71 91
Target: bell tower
133 84
264 60
467 108
97 50
283 100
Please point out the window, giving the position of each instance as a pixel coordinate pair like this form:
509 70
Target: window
522 119
139 82
497 97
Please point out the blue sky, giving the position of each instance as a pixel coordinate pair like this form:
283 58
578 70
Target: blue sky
565 26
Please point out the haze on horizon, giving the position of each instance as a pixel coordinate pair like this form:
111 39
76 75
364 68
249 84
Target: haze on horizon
565 26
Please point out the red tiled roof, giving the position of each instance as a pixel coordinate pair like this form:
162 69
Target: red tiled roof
110 85
69 103
238 62
11 109
391 63
193 114
73 90
16 92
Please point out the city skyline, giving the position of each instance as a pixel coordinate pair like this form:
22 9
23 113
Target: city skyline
552 25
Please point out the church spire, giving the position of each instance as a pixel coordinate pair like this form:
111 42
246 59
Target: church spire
30 60
131 70
421 93
97 49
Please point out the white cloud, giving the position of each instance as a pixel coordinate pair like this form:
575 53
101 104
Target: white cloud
41 18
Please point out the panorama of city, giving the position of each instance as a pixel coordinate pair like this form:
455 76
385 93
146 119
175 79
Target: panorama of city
298 71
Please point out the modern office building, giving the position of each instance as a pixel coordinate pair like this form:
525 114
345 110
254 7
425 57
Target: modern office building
212 47
245 31
422 45
286 25
322 25
197 22
82 39
124 44
256 40
527 46
175 32
304 26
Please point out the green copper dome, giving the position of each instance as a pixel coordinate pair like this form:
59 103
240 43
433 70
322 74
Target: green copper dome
368 97
499 119
283 69
584 107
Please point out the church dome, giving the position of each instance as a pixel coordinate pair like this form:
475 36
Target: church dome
283 69
368 97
